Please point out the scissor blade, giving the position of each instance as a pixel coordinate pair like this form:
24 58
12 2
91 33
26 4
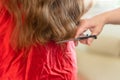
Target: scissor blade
67 40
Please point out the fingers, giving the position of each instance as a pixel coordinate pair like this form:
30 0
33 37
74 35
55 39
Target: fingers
76 43
83 41
89 41
81 28
94 31
80 31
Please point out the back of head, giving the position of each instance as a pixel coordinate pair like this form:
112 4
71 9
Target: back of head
44 20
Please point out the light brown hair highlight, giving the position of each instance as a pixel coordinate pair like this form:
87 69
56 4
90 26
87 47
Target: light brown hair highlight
40 21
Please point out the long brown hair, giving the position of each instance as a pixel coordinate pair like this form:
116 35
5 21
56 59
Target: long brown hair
39 21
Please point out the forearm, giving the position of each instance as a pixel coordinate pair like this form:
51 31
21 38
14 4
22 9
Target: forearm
112 17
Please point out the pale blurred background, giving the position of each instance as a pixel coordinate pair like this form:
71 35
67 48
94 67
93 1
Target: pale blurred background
101 60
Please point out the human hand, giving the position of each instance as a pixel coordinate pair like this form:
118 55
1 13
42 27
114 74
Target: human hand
95 25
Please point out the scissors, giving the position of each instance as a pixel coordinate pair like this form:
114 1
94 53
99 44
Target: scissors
79 38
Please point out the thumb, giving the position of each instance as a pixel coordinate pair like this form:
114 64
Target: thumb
94 32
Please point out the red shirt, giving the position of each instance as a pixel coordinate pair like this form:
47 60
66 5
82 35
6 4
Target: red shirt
47 62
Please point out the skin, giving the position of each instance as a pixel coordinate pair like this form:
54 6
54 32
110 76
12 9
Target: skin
96 24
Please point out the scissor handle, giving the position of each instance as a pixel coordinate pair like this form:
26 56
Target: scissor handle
86 37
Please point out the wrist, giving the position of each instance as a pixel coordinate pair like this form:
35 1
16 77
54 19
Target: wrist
100 20
104 18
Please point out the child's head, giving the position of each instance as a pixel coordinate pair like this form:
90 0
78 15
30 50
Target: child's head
45 20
